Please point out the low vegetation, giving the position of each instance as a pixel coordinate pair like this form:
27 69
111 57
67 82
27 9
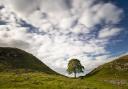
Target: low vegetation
21 70
12 59
38 80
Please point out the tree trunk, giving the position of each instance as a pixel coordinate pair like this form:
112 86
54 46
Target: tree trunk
74 74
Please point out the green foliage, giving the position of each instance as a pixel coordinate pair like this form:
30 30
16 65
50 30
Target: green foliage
74 66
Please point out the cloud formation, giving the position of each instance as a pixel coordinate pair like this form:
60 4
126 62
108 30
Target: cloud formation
58 30
109 32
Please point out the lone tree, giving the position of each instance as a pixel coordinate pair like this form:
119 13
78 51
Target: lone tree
74 66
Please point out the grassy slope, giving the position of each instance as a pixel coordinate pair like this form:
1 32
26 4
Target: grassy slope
38 80
13 59
115 72
42 80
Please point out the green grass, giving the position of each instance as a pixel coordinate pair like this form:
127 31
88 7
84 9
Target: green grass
115 69
40 80
21 70
115 72
13 59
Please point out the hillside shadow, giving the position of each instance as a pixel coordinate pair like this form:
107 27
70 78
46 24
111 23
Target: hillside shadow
94 72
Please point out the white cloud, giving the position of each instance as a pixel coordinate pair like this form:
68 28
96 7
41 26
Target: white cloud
63 30
109 13
109 32
24 7
98 13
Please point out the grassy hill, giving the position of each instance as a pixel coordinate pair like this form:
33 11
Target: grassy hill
115 72
13 59
21 70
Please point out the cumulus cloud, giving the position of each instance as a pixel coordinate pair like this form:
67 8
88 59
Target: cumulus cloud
109 32
100 13
67 12
58 30
24 6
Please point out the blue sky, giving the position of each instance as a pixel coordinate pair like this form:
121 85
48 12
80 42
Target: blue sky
121 47
94 31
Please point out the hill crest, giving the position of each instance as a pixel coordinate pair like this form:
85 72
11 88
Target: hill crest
14 59
116 68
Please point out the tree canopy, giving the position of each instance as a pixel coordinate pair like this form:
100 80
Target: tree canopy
74 66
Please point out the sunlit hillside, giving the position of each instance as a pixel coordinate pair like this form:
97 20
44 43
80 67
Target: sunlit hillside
21 70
